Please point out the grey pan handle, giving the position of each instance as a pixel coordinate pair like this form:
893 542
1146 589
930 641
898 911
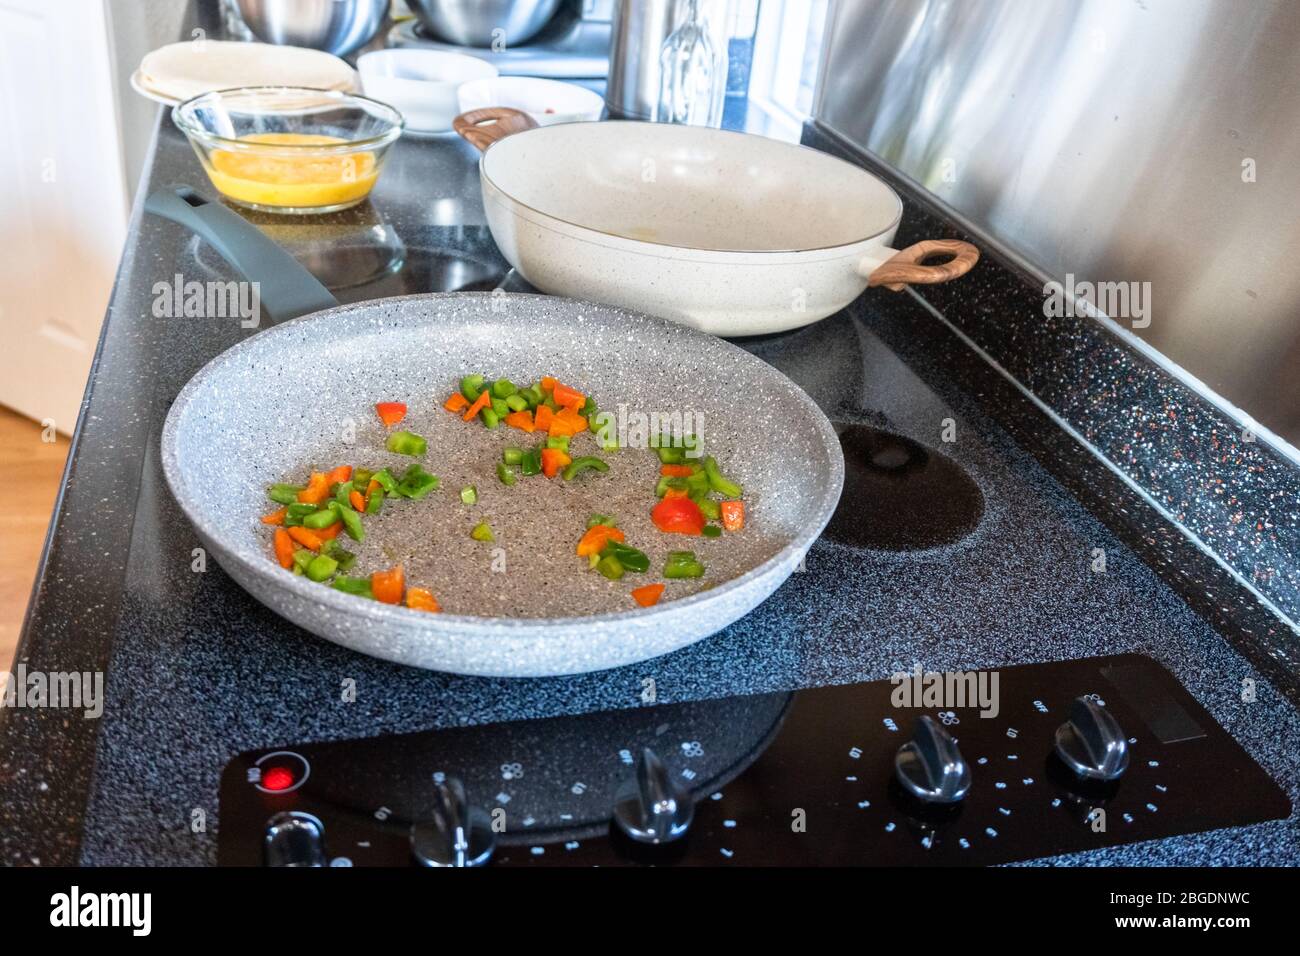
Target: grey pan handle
286 290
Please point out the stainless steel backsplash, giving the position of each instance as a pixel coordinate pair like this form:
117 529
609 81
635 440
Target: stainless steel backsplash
1143 141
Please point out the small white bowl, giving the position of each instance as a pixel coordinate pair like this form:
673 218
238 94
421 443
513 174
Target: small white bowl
421 84
546 101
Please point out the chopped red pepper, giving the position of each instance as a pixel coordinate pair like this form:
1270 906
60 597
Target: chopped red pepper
649 595
422 600
553 459
678 516
483 401
306 538
456 402
567 397
597 536
317 490
522 419
387 586
390 413
677 471
733 515
275 517
283 548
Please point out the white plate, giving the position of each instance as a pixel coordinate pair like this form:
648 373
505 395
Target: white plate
137 84
546 101
420 84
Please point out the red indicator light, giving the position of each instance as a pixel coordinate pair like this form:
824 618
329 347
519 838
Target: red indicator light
277 778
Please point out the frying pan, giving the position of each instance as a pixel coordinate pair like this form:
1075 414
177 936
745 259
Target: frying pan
727 232
301 394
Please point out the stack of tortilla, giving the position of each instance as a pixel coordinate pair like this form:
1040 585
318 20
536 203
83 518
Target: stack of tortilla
179 71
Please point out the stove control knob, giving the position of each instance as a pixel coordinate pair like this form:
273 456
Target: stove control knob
295 839
930 767
650 806
1091 742
456 833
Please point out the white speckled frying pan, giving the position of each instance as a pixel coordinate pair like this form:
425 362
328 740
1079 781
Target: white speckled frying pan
302 394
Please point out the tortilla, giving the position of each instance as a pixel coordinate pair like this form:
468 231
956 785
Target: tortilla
186 69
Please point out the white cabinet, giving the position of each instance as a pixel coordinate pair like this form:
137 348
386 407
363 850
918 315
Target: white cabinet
63 200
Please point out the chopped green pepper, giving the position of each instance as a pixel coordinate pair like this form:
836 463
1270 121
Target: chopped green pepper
301 558
683 564
629 557
531 462
596 519
516 403
283 494
416 483
351 521
697 485
386 480
490 418
610 567
579 465
357 586
669 455
345 558
711 531
321 567
504 474
664 483
375 504
532 395
503 388
471 386
361 478
718 483
482 532
558 441
709 507
342 490
406 443
300 509
320 519
512 456
469 495
500 406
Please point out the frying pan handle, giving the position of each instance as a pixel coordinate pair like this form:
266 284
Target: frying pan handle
905 267
285 289
484 127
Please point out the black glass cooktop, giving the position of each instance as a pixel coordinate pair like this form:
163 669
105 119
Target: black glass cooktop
795 779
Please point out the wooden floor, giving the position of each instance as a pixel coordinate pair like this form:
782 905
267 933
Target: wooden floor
32 468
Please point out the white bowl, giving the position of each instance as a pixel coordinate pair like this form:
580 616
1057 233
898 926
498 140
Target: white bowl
546 101
421 84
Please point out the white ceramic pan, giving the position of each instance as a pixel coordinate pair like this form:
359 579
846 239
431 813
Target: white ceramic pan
730 233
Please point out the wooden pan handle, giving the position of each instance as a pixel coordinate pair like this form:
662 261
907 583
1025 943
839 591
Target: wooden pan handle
905 268
484 127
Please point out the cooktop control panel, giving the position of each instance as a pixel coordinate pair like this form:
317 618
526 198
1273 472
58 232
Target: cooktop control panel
971 768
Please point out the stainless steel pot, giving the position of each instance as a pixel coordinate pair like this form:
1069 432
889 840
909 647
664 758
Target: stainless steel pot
484 23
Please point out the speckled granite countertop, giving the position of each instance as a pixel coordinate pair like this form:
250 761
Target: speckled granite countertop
198 671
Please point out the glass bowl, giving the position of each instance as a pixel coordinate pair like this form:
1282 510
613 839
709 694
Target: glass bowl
289 149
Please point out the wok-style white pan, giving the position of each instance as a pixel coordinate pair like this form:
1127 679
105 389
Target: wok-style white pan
730 233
